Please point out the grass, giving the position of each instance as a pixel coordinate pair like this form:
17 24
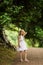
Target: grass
7 56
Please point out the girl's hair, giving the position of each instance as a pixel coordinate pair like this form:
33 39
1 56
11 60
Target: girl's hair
21 31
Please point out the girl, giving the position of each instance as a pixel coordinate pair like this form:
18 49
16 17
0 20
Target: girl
22 45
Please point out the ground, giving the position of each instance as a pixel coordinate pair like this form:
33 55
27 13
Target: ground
11 57
35 56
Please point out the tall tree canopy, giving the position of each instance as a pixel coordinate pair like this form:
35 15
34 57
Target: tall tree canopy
26 14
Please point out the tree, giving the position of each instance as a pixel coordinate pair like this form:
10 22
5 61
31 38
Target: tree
24 14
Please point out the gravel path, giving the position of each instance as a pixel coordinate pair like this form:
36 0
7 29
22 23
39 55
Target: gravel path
35 56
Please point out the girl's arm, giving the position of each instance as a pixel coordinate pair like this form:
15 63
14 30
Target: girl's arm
19 41
25 33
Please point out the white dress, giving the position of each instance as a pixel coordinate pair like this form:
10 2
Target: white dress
22 44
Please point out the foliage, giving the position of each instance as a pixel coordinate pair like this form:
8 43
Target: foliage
6 56
24 14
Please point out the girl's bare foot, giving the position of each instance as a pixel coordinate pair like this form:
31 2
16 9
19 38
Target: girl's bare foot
21 60
26 60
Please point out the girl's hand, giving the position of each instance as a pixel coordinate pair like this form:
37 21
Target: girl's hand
26 32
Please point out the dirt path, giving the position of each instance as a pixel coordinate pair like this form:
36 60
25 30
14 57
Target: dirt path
35 56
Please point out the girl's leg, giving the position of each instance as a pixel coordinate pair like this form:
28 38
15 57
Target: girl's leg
25 54
21 56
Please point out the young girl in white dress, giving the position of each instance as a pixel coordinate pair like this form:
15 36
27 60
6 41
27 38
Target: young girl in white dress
22 48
